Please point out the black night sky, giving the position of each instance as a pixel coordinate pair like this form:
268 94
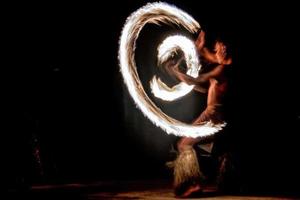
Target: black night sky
64 94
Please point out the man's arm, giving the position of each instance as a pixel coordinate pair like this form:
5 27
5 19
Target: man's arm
220 57
190 80
215 73
172 68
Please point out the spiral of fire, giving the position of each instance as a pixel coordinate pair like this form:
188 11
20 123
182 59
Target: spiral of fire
161 13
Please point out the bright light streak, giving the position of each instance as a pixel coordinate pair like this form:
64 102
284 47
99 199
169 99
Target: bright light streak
165 50
156 13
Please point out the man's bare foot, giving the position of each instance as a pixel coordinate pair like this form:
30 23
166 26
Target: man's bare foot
194 189
221 54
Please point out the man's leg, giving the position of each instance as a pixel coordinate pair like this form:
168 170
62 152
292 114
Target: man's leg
187 174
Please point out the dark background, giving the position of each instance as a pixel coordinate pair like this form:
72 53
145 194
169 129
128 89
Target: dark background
66 97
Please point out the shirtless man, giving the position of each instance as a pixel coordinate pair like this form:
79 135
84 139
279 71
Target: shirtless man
215 84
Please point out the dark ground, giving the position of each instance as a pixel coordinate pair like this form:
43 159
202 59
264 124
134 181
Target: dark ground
146 190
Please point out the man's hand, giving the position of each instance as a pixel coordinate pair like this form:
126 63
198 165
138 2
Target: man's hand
221 54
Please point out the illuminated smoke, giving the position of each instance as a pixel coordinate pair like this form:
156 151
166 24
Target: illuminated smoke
169 46
156 13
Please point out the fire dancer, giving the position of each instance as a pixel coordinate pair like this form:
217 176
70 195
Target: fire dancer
188 177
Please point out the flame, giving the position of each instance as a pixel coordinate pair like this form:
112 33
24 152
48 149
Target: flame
156 13
170 45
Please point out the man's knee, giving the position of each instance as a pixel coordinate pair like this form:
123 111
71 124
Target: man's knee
183 144
180 146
